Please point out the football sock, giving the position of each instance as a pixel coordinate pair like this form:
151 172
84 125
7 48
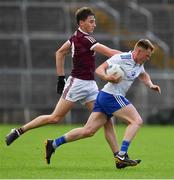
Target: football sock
59 141
116 153
20 131
124 147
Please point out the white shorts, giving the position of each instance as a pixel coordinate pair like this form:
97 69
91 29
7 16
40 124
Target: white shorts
80 90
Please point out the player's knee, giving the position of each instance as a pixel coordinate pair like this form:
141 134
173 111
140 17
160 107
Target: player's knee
88 132
138 122
54 119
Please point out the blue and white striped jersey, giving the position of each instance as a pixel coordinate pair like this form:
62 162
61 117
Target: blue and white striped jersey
131 72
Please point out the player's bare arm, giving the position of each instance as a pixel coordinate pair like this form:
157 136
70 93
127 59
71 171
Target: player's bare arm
102 49
145 78
101 72
60 57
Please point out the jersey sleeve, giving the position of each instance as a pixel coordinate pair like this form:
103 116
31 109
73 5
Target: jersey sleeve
70 40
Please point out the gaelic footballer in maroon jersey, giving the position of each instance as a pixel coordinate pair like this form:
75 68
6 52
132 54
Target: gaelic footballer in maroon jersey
83 56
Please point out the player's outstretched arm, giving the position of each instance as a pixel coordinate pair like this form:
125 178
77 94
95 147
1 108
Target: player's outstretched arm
104 50
145 78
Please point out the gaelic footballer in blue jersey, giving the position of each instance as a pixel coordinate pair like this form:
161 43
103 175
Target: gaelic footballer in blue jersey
111 100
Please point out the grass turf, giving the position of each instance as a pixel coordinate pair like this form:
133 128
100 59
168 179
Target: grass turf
89 158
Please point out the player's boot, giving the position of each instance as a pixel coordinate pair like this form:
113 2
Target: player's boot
120 165
124 161
136 160
49 150
12 136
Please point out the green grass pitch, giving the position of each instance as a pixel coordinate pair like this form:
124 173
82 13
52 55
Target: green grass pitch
88 158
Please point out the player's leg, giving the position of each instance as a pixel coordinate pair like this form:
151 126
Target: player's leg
109 127
130 115
95 121
111 136
111 104
112 141
109 131
132 118
62 107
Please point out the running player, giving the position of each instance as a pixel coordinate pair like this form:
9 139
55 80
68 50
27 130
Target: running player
111 101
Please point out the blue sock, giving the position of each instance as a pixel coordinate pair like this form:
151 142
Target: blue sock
124 147
59 141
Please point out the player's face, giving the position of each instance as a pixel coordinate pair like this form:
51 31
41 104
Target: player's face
144 55
88 25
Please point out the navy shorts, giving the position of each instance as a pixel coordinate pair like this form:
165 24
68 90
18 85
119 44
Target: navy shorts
108 103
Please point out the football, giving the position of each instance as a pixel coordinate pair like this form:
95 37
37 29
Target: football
115 69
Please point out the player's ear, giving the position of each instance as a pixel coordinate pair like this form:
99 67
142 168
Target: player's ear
81 23
139 50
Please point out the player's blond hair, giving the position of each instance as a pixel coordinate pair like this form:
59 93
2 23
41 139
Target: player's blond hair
145 44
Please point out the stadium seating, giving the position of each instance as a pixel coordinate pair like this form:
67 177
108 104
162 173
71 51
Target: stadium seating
162 20
10 22
31 31
43 53
45 19
12 53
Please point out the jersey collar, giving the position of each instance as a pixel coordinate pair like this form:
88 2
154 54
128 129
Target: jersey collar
82 31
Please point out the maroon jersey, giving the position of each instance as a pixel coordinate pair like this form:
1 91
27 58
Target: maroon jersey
82 55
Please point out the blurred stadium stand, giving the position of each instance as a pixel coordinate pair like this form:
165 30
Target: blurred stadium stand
32 30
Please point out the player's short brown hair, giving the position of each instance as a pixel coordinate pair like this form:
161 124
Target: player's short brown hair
145 44
83 13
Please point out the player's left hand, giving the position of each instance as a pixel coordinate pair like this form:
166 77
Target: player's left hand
155 88
60 84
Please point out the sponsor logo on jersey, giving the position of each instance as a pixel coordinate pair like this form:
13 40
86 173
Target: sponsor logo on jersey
132 74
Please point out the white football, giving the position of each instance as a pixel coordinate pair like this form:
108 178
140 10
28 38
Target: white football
115 69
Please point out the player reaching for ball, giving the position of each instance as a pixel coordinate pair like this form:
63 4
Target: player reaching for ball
111 101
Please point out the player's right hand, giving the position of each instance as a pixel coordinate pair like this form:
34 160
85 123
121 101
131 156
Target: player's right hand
114 78
60 84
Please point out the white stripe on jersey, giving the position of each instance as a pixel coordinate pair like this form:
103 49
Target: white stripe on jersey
91 39
120 101
93 46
